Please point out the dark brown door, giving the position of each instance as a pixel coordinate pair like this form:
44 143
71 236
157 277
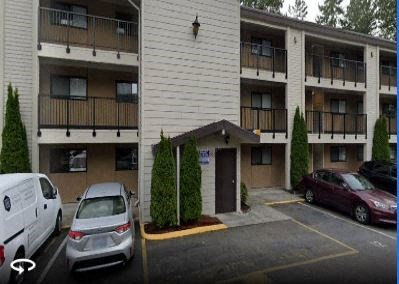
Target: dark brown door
225 180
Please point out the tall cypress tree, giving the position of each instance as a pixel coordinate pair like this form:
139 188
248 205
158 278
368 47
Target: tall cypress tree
331 12
360 16
380 150
299 10
163 186
190 183
14 156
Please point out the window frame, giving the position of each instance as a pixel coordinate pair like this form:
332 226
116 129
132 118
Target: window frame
261 94
51 169
337 100
134 147
338 160
51 194
123 17
260 148
70 15
133 100
338 59
85 98
386 106
259 42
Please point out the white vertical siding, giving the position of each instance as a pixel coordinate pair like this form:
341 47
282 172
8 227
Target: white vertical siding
186 82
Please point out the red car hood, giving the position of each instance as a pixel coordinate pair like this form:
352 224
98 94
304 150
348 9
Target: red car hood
377 195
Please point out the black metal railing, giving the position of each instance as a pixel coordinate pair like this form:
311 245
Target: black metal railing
319 122
335 69
260 57
86 113
387 76
263 119
83 30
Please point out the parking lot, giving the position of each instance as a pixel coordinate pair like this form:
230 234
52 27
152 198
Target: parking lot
316 245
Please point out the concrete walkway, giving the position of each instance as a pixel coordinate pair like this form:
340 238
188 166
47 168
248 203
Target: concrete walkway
259 213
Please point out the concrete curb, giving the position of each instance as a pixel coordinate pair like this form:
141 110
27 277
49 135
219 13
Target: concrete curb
182 233
285 202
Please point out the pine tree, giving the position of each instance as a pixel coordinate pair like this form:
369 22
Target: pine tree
299 10
386 16
190 183
381 150
360 16
272 6
163 186
331 12
299 149
14 156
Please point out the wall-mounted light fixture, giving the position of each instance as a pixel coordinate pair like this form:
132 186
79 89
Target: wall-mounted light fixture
295 39
196 26
371 54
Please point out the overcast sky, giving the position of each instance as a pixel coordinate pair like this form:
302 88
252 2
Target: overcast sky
313 9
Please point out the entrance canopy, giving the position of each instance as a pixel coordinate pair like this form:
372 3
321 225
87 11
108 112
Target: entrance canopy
222 127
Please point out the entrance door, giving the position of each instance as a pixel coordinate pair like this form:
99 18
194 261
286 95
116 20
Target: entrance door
318 156
225 180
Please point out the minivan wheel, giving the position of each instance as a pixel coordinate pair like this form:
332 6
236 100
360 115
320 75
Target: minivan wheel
362 214
309 196
15 277
58 225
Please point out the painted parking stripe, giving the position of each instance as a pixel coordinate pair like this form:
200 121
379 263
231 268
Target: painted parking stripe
51 262
348 221
285 202
145 263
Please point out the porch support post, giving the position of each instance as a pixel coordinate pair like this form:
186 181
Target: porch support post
178 184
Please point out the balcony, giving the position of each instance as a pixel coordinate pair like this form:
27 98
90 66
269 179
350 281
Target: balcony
93 113
391 125
266 120
335 70
87 31
264 59
319 122
387 77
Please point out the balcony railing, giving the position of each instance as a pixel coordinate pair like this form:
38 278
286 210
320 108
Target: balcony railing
266 120
387 76
82 30
335 69
319 122
87 113
259 57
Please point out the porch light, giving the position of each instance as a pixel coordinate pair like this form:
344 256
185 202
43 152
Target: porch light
196 26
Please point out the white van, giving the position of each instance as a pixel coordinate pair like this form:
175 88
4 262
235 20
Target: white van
30 211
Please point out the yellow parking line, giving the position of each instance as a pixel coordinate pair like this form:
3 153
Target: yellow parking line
145 262
285 201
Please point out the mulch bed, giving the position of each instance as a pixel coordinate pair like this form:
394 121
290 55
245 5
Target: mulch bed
202 222
245 208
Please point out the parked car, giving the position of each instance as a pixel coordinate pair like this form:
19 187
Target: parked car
30 211
381 174
352 193
102 231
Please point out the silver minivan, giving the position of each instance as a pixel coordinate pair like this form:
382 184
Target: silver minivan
102 232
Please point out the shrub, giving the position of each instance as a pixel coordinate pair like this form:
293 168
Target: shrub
190 183
299 149
244 193
163 186
380 150
14 156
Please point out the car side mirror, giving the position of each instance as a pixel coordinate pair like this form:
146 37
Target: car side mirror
78 198
55 192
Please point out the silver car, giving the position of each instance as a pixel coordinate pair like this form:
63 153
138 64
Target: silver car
102 232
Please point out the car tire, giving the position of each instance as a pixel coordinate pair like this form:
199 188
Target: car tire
309 196
15 277
58 225
361 213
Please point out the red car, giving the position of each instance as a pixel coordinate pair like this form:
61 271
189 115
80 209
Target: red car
350 192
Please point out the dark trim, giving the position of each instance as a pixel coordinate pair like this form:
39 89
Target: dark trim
13 237
52 96
131 147
269 147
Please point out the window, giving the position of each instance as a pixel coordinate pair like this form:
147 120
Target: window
387 67
76 18
126 91
393 152
338 106
322 175
336 180
360 152
261 155
359 108
101 207
126 158
389 110
261 100
68 160
47 189
338 153
124 27
262 47
72 87
338 59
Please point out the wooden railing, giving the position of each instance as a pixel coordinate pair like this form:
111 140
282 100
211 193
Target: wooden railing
74 29
266 120
87 113
319 122
387 76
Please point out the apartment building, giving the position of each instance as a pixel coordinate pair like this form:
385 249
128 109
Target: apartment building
99 81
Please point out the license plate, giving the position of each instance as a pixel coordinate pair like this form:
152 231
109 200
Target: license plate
99 243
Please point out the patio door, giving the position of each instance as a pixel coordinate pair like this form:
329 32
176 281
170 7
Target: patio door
318 56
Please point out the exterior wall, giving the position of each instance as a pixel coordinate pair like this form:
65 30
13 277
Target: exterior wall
187 82
351 164
100 168
263 176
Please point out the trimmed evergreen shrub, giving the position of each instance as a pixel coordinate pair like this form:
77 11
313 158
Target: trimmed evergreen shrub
299 149
190 184
244 193
380 150
14 156
163 186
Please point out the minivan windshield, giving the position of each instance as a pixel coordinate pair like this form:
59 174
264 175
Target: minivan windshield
101 207
357 182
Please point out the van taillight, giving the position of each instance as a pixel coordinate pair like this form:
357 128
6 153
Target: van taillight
123 228
2 255
76 235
